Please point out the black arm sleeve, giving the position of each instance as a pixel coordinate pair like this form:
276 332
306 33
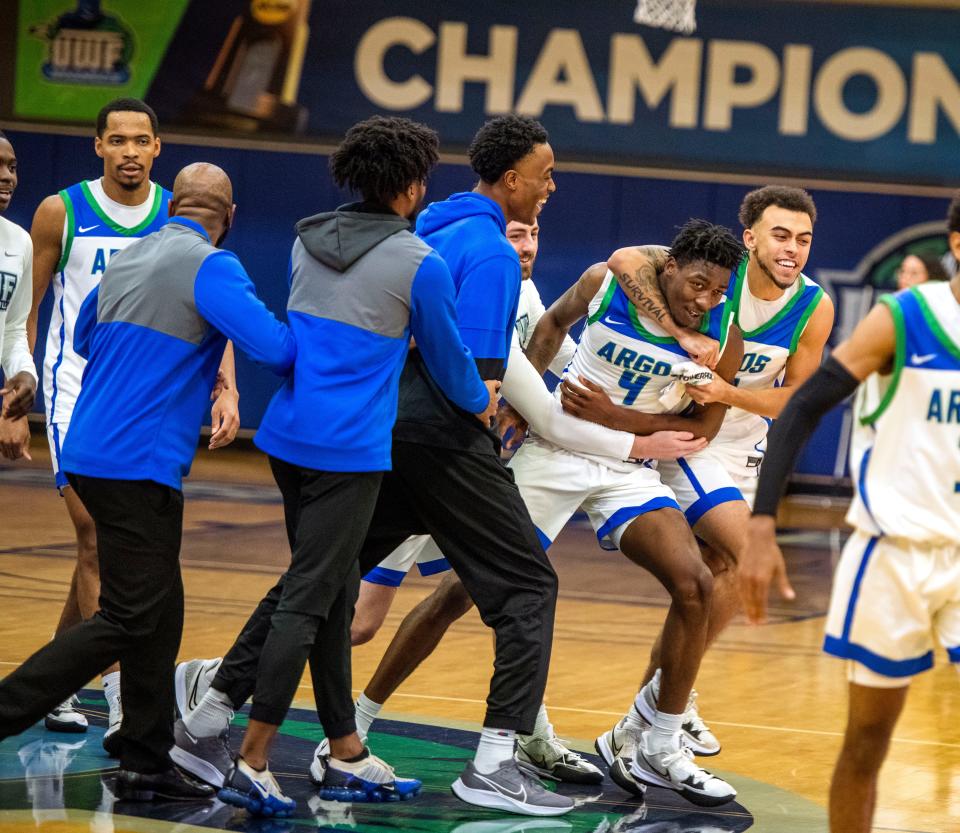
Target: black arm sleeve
829 386
491 369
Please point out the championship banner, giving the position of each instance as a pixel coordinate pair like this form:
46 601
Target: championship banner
757 87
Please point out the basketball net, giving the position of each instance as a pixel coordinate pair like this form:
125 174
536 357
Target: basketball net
675 15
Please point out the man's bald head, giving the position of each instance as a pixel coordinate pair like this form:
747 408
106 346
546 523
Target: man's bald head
202 192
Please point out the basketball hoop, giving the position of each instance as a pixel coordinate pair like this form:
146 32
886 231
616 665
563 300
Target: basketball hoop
675 15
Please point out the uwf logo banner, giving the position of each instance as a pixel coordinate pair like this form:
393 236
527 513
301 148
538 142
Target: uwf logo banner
759 87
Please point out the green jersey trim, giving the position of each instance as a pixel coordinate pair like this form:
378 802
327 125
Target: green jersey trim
154 210
65 256
802 322
899 359
934 325
607 298
781 314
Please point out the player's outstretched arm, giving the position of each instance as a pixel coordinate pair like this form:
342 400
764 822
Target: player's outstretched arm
636 269
562 314
47 235
870 349
769 402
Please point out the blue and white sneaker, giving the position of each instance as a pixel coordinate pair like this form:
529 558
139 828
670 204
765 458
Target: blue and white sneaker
368 780
256 792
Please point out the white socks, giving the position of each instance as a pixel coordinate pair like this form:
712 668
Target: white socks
664 734
365 712
633 716
211 717
111 689
542 728
495 747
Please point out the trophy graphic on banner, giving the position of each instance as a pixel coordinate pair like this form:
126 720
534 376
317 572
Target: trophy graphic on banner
254 81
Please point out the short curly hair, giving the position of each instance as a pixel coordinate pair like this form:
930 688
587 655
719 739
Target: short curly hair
703 240
501 143
782 196
381 156
953 214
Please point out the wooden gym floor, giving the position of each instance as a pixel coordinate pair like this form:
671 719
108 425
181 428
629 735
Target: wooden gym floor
776 702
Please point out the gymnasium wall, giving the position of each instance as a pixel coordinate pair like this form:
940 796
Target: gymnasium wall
859 237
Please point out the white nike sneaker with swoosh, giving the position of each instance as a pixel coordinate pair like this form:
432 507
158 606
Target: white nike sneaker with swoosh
621 741
509 788
191 681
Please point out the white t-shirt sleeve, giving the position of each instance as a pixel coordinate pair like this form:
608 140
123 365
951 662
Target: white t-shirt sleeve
524 389
15 355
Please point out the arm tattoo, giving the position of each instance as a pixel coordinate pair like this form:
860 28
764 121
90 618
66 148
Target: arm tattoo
642 287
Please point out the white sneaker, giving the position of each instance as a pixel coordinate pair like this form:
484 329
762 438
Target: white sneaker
622 740
66 718
191 681
550 758
675 770
111 740
696 733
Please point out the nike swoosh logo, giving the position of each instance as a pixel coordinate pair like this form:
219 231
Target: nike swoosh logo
615 321
654 767
193 701
9 254
85 229
915 359
520 795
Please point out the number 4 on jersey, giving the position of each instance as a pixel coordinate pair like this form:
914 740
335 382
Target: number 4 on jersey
633 383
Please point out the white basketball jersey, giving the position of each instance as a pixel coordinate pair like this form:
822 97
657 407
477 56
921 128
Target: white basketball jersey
94 230
905 449
530 309
771 331
629 357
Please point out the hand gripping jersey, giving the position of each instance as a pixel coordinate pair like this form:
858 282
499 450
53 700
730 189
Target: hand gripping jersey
630 357
905 449
767 345
91 237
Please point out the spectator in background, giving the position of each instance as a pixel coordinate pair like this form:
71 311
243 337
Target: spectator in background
917 269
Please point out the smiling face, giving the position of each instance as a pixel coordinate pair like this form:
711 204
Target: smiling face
529 184
526 240
8 174
692 290
779 243
128 147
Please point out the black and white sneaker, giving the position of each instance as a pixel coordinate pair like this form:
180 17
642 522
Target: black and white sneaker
509 788
621 776
191 681
66 718
696 734
622 740
675 770
208 759
550 758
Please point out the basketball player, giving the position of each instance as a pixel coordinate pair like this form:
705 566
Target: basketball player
16 360
75 232
899 574
633 510
786 319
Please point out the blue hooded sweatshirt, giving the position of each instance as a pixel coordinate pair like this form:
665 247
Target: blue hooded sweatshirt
468 231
